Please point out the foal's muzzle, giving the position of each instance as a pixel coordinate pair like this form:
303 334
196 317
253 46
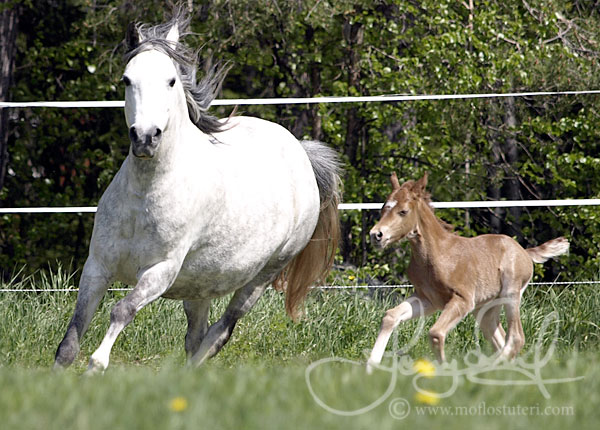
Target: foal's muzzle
144 144
378 238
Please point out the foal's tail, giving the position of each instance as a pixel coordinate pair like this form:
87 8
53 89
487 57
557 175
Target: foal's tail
552 248
315 260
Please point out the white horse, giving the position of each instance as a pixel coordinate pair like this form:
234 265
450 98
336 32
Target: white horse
201 207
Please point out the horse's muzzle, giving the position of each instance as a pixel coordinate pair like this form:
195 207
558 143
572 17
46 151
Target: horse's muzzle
144 145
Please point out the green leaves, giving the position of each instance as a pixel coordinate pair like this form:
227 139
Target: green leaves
349 47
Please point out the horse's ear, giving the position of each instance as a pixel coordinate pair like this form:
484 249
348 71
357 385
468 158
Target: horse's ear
394 181
421 183
173 34
132 38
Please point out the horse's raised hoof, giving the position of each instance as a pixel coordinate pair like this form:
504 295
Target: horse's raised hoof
95 367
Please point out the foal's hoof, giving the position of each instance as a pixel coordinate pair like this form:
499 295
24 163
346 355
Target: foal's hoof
371 366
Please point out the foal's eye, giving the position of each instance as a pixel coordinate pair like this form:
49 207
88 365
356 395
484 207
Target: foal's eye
402 212
172 83
126 81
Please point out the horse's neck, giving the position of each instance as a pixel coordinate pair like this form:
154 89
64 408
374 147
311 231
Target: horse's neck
426 244
166 165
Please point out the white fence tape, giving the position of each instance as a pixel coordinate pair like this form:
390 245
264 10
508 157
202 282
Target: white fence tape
48 210
317 287
356 206
307 100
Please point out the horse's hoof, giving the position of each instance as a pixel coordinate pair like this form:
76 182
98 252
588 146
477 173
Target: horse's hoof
95 367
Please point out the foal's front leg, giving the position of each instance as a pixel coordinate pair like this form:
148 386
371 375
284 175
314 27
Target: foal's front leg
412 307
454 311
151 285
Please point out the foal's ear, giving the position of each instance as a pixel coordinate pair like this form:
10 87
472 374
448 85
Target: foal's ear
173 34
421 183
394 180
132 37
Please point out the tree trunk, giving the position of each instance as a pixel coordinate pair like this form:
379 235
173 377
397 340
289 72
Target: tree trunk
496 215
353 35
8 35
511 156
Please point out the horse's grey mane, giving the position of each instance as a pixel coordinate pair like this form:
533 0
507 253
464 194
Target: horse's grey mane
199 94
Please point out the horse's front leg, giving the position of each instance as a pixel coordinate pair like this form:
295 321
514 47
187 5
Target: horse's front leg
152 283
412 307
92 287
219 333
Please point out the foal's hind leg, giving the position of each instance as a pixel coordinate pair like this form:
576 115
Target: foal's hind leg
92 287
197 318
515 338
412 307
219 333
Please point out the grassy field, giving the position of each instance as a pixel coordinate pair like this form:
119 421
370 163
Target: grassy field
278 374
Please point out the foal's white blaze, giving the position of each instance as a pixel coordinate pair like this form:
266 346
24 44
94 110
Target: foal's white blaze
390 204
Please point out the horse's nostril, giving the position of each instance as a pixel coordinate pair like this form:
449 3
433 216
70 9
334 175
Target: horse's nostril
158 132
133 133
377 236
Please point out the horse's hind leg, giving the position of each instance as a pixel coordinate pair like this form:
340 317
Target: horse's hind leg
219 333
196 312
92 287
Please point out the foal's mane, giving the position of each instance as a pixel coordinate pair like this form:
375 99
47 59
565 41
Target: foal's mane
425 197
199 94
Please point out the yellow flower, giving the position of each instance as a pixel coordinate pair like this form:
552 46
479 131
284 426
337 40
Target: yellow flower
427 397
178 404
425 368
351 277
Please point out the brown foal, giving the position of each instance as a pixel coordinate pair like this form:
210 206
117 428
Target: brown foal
455 274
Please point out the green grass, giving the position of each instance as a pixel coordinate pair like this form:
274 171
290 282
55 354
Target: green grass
258 379
275 396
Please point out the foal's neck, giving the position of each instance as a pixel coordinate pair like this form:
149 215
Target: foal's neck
425 244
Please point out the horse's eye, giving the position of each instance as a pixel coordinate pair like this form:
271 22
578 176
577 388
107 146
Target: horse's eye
172 83
402 212
126 81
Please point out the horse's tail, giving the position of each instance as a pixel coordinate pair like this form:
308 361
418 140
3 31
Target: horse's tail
315 261
552 248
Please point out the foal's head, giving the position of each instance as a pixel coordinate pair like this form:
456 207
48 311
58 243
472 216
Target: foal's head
399 215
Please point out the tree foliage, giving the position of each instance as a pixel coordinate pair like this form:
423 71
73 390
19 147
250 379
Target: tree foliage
496 148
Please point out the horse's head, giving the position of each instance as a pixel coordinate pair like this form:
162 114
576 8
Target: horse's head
399 213
153 92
